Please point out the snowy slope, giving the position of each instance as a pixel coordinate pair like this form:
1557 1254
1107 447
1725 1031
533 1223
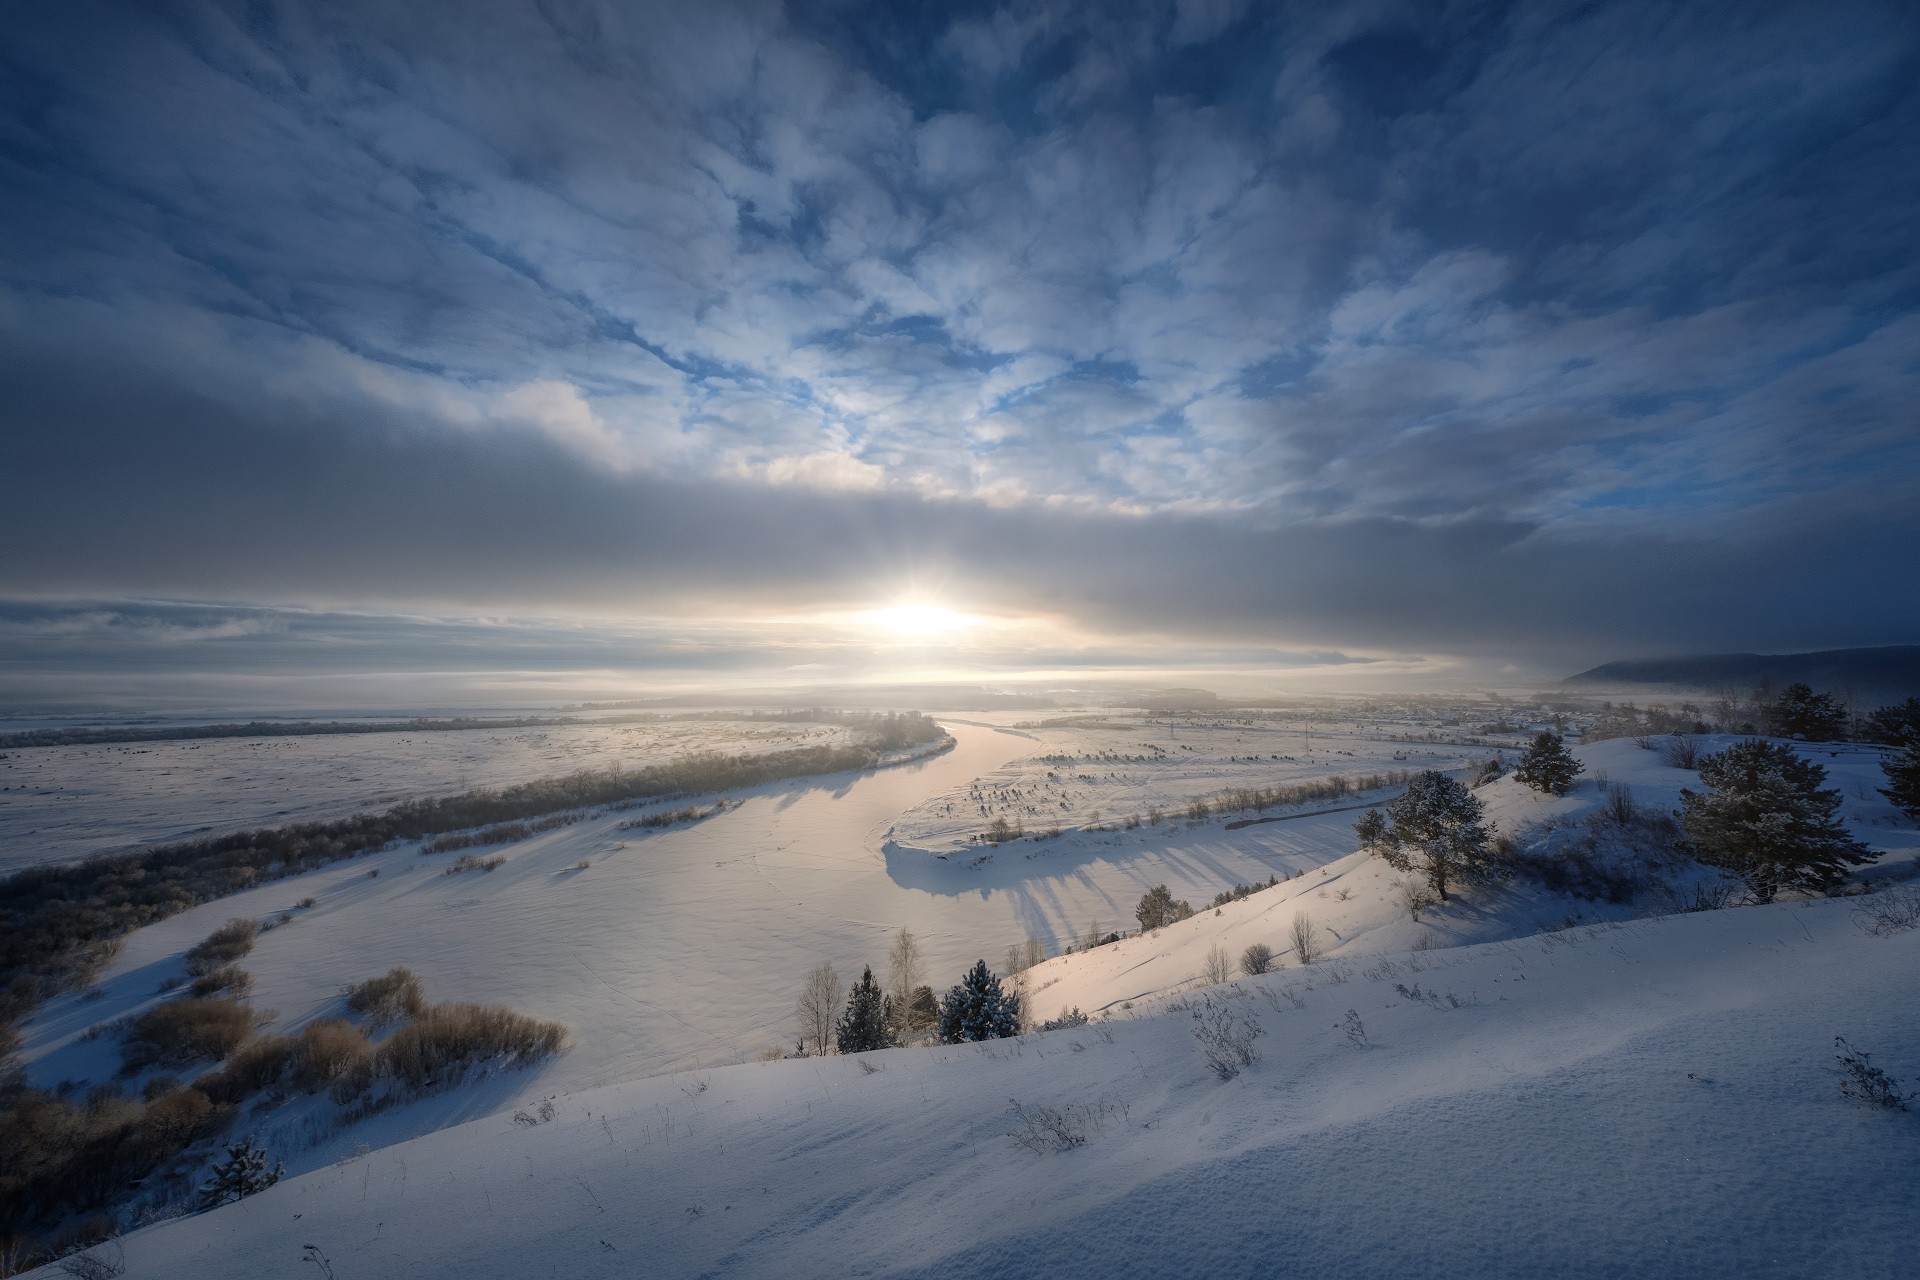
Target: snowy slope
1641 1099
1357 910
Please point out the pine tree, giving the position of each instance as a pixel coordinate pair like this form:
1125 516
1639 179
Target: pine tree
1158 907
1902 768
244 1172
1799 712
976 1009
1768 820
1895 725
867 1023
1548 766
1371 828
1434 828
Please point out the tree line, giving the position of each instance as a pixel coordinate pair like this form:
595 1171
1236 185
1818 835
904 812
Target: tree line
833 1018
1764 815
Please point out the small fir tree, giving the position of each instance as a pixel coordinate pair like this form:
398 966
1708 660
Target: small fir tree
1902 768
977 1009
1799 712
243 1172
1433 827
867 1022
1548 766
1767 819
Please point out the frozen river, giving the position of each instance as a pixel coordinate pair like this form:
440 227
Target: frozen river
687 947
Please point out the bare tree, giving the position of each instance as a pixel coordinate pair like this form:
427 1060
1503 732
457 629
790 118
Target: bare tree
905 969
1256 959
1306 943
1218 968
1022 956
819 1006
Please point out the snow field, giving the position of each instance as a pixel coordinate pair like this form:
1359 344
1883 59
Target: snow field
1640 1099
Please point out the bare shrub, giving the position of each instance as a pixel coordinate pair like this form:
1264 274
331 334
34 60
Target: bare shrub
1355 1029
1068 1019
1046 1130
183 1032
104 1265
1218 968
1708 895
230 942
1415 897
1861 1081
228 979
332 1050
1256 959
259 1065
395 995
1226 1037
445 1039
174 1120
1683 751
474 862
1893 911
1618 804
1306 944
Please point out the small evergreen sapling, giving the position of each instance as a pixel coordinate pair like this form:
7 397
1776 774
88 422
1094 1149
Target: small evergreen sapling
868 1020
977 1009
241 1174
1548 766
1767 819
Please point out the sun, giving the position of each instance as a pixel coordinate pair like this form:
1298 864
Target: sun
920 620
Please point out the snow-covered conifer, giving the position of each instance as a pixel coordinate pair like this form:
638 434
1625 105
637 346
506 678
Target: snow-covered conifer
1799 712
1902 768
1767 819
977 1009
1434 828
866 1024
1548 766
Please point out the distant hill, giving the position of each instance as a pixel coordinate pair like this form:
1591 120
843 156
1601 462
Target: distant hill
1887 673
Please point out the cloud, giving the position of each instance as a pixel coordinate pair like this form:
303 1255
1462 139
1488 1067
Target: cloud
1567 328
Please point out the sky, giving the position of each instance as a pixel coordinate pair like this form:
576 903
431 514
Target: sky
658 345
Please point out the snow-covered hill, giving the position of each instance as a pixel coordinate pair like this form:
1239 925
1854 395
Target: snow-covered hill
1645 1099
1358 910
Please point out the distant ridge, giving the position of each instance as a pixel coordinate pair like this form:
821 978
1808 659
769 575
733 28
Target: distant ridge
1888 672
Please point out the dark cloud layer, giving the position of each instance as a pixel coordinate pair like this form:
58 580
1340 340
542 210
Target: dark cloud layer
1548 332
